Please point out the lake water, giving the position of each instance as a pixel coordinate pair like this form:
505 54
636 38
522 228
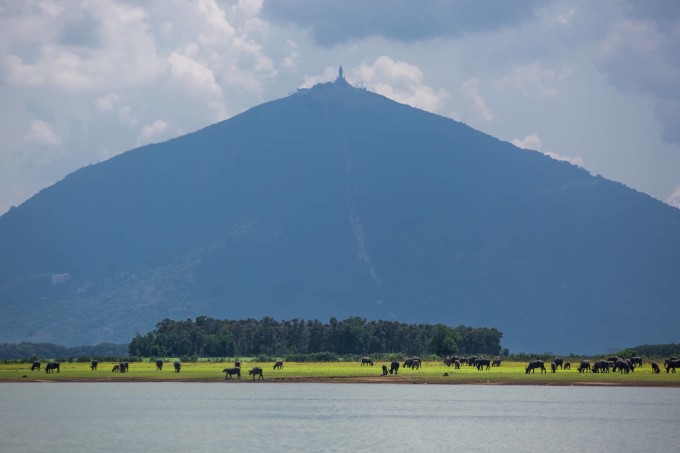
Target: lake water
248 417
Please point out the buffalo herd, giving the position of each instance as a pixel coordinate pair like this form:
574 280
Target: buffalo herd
611 364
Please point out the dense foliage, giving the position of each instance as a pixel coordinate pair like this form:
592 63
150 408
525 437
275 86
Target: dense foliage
652 350
48 350
230 338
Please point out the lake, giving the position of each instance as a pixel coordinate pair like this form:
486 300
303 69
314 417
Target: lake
243 416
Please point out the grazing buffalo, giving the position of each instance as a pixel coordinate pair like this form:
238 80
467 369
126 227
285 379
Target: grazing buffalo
622 365
229 372
553 367
456 364
600 366
408 363
257 371
567 365
178 367
93 365
124 367
535 364
481 363
559 362
384 369
366 361
584 366
472 361
463 361
655 368
636 361
51 366
279 365
394 367
115 369
451 361
35 366
672 364
496 362
159 365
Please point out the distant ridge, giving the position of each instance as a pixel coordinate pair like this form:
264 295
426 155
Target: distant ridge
336 201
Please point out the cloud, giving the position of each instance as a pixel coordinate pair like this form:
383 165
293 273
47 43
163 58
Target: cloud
532 80
469 92
533 142
674 198
331 23
154 131
107 103
42 134
639 55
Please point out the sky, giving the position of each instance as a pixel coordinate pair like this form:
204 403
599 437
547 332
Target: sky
593 83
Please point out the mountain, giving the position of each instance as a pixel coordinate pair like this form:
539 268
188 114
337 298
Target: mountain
335 201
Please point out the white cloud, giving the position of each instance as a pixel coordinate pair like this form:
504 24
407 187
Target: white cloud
107 103
42 134
469 92
674 198
154 131
400 81
533 142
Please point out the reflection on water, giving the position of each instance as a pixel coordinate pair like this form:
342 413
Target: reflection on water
190 417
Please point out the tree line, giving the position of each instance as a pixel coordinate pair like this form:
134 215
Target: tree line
26 350
208 337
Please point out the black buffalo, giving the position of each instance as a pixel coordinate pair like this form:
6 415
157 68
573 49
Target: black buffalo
559 362
366 361
159 365
115 368
636 361
124 367
93 365
496 362
451 361
584 366
672 364
178 367
535 364
655 368
257 371
229 372
622 365
278 365
481 363
600 366
411 361
35 366
567 365
394 367
384 370
51 366
472 361
553 367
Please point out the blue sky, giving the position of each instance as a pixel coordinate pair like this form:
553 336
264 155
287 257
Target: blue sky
594 83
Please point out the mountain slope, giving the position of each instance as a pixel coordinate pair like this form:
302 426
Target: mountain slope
335 201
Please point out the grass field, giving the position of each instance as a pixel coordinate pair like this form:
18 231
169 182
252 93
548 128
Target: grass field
430 373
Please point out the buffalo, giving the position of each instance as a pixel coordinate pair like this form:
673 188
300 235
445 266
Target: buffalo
93 365
496 362
366 361
456 364
584 366
622 365
278 365
257 371
411 362
672 364
178 367
559 362
384 370
567 365
124 367
636 361
481 363
472 361
451 361
535 364
394 367
51 366
159 365
231 371
237 363
553 367
655 368
35 366
600 366
115 369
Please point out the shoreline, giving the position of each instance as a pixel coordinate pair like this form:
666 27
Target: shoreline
377 380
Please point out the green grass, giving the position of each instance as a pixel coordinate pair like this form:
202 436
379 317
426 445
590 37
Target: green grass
431 372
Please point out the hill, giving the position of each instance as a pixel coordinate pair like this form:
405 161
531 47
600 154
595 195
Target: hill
335 201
